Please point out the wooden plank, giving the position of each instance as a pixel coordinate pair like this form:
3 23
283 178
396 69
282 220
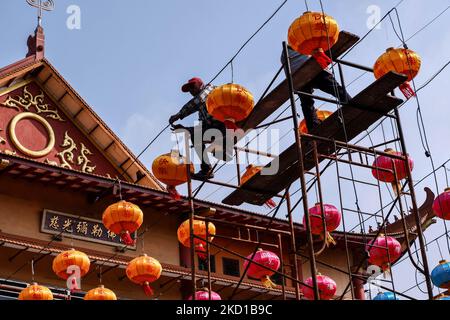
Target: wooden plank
360 113
308 71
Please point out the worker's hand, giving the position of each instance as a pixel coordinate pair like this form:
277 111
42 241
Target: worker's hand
173 118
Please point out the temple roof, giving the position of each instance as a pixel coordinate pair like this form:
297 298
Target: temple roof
36 68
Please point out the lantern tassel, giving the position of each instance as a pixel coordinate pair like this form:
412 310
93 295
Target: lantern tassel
386 270
271 204
173 193
230 124
127 239
201 251
407 91
147 289
330 240
322 59
268 283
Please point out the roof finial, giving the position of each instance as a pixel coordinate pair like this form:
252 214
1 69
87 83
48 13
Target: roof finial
47 5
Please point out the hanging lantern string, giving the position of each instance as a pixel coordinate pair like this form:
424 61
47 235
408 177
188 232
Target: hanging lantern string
143 239
306 5
439 248
232 71
446 175
32 270
100 273
120 187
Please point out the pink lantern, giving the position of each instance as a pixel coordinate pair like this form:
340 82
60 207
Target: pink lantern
327 288
203 294
267 259
332 219
385 162
441 205
383 251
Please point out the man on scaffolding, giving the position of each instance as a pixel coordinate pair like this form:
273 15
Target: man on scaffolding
324 81
217 129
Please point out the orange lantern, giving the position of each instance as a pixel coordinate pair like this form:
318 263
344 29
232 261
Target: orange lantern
71 258
36 292
250 172
402 61
100 293
170 170
123 218
200 231
143 271
229 104
321 115
312 34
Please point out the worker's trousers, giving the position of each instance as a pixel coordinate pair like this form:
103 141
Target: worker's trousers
325 82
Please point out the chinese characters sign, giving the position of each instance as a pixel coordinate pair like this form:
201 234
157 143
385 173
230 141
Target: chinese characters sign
54 222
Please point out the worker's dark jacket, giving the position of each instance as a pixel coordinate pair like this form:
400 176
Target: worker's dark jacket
198 104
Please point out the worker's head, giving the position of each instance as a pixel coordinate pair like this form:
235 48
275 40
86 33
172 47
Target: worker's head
193 86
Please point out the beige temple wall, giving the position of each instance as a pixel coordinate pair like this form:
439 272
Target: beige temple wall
21 214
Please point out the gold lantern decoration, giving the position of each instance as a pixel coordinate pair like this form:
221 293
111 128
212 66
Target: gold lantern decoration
170 169
143 271
100 293
199 227
400 60
36 292
123 218
312 34
230 103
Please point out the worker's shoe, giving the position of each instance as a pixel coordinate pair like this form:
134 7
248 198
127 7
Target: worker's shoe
203 175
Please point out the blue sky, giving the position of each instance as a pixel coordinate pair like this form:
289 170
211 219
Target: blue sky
130 58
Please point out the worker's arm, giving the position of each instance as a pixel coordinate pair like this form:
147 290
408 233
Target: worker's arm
189 108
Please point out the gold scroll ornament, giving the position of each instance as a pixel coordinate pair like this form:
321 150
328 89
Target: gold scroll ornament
28 100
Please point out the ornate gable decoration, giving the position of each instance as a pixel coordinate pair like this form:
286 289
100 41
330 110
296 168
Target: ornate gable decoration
27 101
32 126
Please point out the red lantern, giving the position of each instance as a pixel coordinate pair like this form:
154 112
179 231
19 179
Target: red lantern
171 170
123 218
143 271
229 104
441 205
199 226
383 251
312 34
267 259
327 288
203 294
332 219
399 60
385 162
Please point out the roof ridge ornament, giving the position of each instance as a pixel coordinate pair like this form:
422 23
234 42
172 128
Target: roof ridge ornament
36 43
47 5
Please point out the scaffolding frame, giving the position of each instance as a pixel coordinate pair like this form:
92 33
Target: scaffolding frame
335 157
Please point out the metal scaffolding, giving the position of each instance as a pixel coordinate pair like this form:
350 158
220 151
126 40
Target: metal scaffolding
309 151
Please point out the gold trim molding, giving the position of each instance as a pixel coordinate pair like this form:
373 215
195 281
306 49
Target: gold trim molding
18 145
